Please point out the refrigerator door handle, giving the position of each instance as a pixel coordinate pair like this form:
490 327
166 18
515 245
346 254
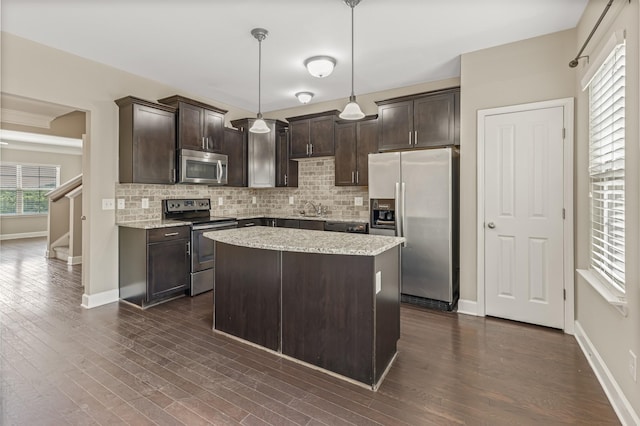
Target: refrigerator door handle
397 209
403 197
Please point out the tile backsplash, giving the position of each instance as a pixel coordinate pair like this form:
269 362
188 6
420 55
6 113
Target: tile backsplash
315 184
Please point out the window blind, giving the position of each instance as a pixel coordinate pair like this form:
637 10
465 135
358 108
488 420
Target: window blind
607 168
23 188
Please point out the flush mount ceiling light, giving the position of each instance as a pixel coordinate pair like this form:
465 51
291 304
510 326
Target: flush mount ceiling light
259 126
304 97
352 111
320 66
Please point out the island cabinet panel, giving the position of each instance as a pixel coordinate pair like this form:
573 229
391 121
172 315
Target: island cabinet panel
328 312
387 309
247 300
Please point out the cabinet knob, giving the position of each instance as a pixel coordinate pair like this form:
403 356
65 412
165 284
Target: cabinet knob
491 225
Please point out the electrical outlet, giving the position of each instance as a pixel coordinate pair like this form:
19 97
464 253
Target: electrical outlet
633 364
145 203
220 201
357 201
254 200
120 203
291 200
108 204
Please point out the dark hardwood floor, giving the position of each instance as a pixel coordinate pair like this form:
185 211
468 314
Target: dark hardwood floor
116 364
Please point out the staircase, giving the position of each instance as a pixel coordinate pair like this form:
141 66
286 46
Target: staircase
64 231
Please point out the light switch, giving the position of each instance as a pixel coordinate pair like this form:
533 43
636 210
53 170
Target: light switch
108 204
357 201
120 203
220 201
254 200
145 203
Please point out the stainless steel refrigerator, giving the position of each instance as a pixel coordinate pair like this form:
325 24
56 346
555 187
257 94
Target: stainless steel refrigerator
415 194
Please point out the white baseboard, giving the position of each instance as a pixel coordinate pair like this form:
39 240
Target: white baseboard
94 300
618 401
468 307
74 260
23 235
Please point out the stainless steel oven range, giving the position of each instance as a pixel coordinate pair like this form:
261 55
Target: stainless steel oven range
198 213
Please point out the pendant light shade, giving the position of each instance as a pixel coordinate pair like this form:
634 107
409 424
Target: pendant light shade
352 111
259 126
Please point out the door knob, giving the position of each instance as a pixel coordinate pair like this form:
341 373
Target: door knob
83 218
491 225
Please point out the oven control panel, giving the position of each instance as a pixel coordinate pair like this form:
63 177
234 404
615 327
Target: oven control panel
187 205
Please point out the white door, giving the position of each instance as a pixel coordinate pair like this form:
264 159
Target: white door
523 216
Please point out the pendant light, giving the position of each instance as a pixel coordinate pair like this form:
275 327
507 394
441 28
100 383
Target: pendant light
259 126
352 111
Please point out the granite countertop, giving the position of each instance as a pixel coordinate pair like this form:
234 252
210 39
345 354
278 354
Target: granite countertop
306 241
154 224
160 223
302 217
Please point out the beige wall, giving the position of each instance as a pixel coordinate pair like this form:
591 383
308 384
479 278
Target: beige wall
526 71
70 166
35 71
612 334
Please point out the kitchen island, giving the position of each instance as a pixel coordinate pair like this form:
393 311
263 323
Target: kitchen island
329 300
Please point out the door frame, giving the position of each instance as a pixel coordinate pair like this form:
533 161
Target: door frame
568 276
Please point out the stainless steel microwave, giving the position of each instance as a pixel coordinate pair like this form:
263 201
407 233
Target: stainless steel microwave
206 168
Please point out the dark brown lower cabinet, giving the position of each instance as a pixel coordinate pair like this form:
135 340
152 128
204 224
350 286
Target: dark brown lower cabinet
331 310
154 264
247 298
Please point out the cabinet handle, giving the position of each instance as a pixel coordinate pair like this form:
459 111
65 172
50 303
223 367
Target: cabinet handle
285 179
188 248
311 148
203 143
353 177
409 137
249 224
307 149
171 234
415 137
357 176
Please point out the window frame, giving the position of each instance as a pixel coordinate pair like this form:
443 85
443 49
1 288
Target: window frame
20 189
601 208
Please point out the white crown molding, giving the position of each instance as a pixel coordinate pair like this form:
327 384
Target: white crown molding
12 116
38 142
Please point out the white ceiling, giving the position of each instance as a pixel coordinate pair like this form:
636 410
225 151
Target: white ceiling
205 47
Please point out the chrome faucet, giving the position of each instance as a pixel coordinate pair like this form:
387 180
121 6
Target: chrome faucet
316 211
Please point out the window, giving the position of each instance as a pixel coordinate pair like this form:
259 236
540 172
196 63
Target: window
607 168
23 188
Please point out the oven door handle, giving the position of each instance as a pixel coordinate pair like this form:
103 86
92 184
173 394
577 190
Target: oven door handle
225 225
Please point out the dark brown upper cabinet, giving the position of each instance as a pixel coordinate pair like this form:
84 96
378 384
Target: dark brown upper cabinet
200 126
355 140
234 145
312 135
147 142
420 121
286 169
